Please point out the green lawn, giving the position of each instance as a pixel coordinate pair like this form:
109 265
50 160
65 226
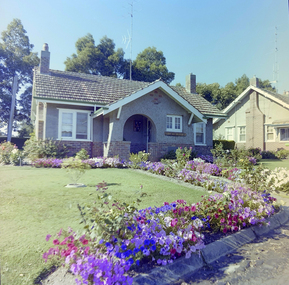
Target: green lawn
273 163
34 203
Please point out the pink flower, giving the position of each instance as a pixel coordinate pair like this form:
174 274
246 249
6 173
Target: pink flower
216 216
60 232
56 241
224 230
48 237
85 241
86 249
193 208
187 209
64 241
174 222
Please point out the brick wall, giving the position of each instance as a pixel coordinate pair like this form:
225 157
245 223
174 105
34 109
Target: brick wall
120 148
75 146
97 149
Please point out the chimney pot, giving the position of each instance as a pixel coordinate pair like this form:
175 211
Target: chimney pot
44 60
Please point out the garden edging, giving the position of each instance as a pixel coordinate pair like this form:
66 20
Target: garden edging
184 267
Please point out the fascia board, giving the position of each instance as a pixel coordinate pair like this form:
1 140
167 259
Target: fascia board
66 102
164 87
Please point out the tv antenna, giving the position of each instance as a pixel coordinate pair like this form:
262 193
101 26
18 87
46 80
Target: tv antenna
128 39
275 65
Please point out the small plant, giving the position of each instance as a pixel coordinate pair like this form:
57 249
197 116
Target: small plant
282 153
75 168
136 158
183 156
10 154
82 154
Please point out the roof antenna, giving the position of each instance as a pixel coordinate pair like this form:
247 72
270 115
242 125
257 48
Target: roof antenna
275 65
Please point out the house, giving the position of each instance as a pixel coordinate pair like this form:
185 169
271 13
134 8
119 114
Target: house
256 118
111 116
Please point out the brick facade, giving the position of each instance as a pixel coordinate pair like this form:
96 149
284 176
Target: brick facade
75 146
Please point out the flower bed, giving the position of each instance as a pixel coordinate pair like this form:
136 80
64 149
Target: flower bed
121 238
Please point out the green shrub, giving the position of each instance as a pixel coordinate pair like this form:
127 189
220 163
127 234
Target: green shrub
282 153
267 154
136 158
183 156
82 154
10 154
226 144
35 149
170 155
75 168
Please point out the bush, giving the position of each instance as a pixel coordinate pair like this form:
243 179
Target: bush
267 154
82 154
10 154
35 149
170 155
226 144
282 153
183 156
136 158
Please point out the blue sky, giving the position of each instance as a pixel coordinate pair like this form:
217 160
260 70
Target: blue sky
218 41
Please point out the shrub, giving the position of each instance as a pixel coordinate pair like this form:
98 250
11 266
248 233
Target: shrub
10 154
183 156
226 144
170 155
282 153
267 154
136 158
75 168
82 154
34 148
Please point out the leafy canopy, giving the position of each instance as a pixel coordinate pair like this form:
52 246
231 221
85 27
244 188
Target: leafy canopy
16 58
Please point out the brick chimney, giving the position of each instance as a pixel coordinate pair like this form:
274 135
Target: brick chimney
44 59
254 81
191 83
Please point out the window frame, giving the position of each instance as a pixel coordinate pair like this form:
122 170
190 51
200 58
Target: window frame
273 132
239 134
173 129
233 133
204 133
287 138
74 124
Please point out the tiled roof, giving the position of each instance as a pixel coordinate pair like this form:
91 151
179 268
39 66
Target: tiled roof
97 89
283 98
199 102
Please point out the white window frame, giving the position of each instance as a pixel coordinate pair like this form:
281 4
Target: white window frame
239 133
273 132
195 133
280 135
74 115
174 129
233 133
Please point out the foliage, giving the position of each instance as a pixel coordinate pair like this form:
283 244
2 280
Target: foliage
47 163
16 58
102 59
82 154
183 156
75 168
150 65
282 153
136 158
34 149
226 144
279 179
10 154
267 154
170 155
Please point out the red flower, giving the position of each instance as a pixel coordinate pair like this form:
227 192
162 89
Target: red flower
173 251
216 216
187 209
224 230
85 241
56 241
193 208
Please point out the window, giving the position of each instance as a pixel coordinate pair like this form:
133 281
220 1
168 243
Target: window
174 123
270 133
74 125
200 133
230 134
284 134
242 134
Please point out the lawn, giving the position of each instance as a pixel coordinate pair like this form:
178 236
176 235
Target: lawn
273 163
34 203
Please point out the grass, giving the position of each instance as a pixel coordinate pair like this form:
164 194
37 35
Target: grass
34 203
273 163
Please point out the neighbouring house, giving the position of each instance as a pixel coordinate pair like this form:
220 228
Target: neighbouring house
111 116
256 118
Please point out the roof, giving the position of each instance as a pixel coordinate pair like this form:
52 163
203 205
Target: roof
278 98
103 90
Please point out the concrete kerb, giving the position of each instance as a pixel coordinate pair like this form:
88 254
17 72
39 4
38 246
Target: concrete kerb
184 267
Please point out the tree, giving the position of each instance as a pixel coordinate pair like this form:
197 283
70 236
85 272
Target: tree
150 65
16 58
102 59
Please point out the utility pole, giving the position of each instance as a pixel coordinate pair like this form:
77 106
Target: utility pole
14 90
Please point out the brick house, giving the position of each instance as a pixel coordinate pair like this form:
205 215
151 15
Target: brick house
111 116
256 118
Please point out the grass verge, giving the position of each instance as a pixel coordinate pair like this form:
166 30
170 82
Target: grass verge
273 163
34 203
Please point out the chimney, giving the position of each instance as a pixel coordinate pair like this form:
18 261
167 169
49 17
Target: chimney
44 59
254 81
191 83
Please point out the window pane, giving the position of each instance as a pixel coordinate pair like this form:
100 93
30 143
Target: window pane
242 135
199 138
230 134
284 133
81 126
177 123
169 122
66 128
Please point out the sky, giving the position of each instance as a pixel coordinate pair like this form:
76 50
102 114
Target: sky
218 40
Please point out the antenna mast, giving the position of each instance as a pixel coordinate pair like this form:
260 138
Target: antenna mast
131 26
275 68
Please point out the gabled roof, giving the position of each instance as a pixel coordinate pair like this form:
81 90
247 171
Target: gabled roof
105 91
278 98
